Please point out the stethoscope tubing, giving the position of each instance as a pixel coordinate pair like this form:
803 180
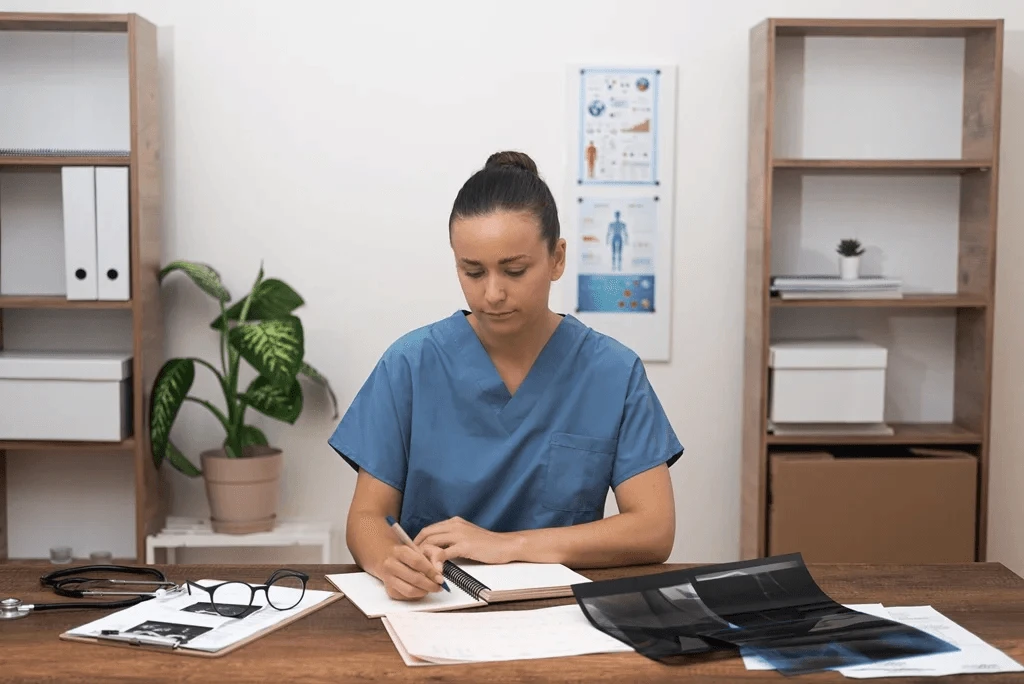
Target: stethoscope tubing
63 581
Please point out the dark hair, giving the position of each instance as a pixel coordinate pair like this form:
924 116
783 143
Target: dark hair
508 182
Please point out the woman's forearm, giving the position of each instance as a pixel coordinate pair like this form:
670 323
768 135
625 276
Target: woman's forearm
630 538
369 540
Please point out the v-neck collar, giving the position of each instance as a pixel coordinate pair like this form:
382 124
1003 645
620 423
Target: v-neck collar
510 408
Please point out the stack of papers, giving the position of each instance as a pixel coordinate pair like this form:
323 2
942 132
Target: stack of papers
453 638
834 287
427 638
974 656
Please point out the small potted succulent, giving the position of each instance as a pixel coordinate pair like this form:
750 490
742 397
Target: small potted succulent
242 473
849 250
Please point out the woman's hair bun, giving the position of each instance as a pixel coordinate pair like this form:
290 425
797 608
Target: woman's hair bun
518 160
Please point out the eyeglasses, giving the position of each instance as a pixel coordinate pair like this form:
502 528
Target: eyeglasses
284 589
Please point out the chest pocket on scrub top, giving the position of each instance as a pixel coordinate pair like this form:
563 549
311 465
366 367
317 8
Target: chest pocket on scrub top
578 472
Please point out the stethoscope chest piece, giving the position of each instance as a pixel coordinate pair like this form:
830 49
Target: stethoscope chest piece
12 609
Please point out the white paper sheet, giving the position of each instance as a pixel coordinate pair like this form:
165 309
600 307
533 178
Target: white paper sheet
450 638
974 656
175 625
754 662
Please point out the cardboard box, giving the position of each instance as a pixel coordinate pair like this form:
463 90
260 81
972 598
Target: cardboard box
914 509
65 396
827 381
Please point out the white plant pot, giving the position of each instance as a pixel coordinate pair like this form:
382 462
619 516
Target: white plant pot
849 267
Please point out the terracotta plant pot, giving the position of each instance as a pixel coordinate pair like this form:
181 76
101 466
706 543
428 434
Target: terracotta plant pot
243 492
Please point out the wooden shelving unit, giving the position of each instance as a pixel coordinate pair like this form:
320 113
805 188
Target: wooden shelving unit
145 202
54 161
903 433
58 302
908 301
968 306
49 445
884 165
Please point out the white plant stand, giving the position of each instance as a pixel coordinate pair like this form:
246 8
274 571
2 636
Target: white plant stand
196 533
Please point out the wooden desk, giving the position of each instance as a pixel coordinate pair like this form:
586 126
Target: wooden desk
339 644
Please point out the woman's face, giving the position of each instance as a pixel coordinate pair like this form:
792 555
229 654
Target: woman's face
505 269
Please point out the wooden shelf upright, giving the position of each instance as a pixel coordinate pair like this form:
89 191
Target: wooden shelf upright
969 304
145 209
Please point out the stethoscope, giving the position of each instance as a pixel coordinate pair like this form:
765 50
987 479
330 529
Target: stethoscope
70 583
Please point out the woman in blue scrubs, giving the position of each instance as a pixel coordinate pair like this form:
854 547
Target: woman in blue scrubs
496 433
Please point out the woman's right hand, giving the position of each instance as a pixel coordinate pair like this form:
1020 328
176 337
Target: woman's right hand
408 576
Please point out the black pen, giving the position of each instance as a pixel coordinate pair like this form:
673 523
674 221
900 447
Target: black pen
405 539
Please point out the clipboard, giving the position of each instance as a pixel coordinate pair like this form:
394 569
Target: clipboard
146 644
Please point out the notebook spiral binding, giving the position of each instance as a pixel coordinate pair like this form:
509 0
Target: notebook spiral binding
463 580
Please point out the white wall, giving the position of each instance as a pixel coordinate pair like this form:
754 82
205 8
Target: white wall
330 143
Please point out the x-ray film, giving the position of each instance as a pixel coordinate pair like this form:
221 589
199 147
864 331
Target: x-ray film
770 607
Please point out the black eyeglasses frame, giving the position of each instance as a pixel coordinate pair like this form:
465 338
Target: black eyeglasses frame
253 588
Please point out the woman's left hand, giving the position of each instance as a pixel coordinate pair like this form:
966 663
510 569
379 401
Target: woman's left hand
462 539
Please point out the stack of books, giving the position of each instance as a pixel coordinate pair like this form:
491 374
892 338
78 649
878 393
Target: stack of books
833 287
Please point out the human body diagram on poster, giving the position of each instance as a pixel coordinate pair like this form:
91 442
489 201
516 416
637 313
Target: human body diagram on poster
617 247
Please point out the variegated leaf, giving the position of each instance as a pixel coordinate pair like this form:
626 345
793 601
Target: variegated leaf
203 275
252 435
317 377
248 435
271 299
274 348
273 401
180 463
172 385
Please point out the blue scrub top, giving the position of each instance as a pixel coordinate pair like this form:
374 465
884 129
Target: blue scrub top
435 421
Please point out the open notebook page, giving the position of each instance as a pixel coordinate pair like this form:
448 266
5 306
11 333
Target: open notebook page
368 594
523 580
487 636
509 581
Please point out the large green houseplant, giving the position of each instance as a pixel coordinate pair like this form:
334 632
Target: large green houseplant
262 329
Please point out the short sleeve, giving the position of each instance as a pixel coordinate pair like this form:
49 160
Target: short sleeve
373 435
646 438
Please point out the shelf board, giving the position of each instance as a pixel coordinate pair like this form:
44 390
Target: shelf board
883 28
909 301
903 433
74 562
883 165
42 160
31 21
58 302
37 445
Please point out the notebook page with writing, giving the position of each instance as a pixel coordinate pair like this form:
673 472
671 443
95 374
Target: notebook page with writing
368 594
488 636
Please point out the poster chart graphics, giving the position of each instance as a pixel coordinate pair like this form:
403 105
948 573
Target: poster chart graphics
618 126
617 243
618 271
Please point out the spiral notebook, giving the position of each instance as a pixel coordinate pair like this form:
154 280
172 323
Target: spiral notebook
472 585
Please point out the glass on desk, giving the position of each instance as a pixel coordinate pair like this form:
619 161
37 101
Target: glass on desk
284 590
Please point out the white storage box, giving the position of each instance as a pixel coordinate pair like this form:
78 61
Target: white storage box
827 381
65 396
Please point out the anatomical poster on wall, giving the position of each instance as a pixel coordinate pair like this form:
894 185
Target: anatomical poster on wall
618 126
617 247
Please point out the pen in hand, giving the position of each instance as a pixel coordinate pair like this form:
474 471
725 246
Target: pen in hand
405 539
